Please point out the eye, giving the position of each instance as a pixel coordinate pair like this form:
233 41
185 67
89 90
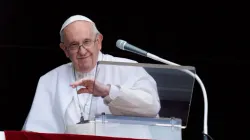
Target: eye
86 42
73 44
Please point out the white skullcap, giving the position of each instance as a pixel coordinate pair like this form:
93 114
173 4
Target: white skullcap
73 19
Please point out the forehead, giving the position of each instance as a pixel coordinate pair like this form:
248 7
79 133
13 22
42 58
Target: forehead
78 30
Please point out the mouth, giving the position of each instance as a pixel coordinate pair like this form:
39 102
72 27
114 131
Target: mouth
83 57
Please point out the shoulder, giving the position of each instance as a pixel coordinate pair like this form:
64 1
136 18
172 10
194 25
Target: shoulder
123 69
54 72
108 57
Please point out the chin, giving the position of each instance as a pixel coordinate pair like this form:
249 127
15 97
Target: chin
85 65
85 68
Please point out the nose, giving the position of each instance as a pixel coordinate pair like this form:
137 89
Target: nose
82 50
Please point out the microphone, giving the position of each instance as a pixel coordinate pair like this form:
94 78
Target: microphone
123 45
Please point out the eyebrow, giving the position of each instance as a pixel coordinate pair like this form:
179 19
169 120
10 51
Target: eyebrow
75 42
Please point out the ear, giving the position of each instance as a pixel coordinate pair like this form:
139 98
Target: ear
63 47
99 39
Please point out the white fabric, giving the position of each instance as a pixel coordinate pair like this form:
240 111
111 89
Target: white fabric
83 129
73 113
2 135
73 19
133 92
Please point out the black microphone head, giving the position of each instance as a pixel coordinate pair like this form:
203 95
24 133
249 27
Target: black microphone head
120 44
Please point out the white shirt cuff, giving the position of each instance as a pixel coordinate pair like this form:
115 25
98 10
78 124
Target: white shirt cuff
113 93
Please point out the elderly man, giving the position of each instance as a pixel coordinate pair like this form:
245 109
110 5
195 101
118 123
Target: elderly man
59 102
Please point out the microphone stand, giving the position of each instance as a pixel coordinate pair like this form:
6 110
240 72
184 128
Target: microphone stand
205 128
123 45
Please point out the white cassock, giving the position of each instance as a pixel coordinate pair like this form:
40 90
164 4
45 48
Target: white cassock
55 105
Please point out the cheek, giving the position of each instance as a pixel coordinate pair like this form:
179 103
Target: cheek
66 53
72 57
94 51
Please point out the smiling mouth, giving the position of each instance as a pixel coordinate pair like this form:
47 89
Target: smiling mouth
83 57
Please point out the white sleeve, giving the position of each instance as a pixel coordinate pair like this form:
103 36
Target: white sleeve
43 116
139 100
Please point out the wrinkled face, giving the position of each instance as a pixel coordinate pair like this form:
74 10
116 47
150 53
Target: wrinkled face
81 45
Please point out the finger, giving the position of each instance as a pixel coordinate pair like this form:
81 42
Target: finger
82 82
76 83
83 90
87 83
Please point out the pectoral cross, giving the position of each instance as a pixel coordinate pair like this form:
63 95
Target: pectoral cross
82 121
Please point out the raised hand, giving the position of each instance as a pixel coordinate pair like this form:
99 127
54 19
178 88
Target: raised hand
91 86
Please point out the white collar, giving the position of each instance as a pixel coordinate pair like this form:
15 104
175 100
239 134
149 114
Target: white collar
91 74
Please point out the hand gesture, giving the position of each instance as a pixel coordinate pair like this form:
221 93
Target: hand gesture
92 87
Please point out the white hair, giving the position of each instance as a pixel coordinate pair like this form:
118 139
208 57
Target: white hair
77 18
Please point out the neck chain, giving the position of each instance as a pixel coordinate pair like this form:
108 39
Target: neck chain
80 105
82 109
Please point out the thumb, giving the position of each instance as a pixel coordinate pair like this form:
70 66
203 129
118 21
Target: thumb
83 90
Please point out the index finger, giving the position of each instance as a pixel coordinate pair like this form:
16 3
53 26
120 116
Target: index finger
81 82
77 83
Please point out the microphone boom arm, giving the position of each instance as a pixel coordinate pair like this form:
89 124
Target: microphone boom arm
123 45
205 128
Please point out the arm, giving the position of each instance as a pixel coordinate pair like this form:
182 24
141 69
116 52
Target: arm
136 101
137 96
42 116
139 100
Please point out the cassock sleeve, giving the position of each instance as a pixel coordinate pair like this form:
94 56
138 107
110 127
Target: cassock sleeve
139 100
43 116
